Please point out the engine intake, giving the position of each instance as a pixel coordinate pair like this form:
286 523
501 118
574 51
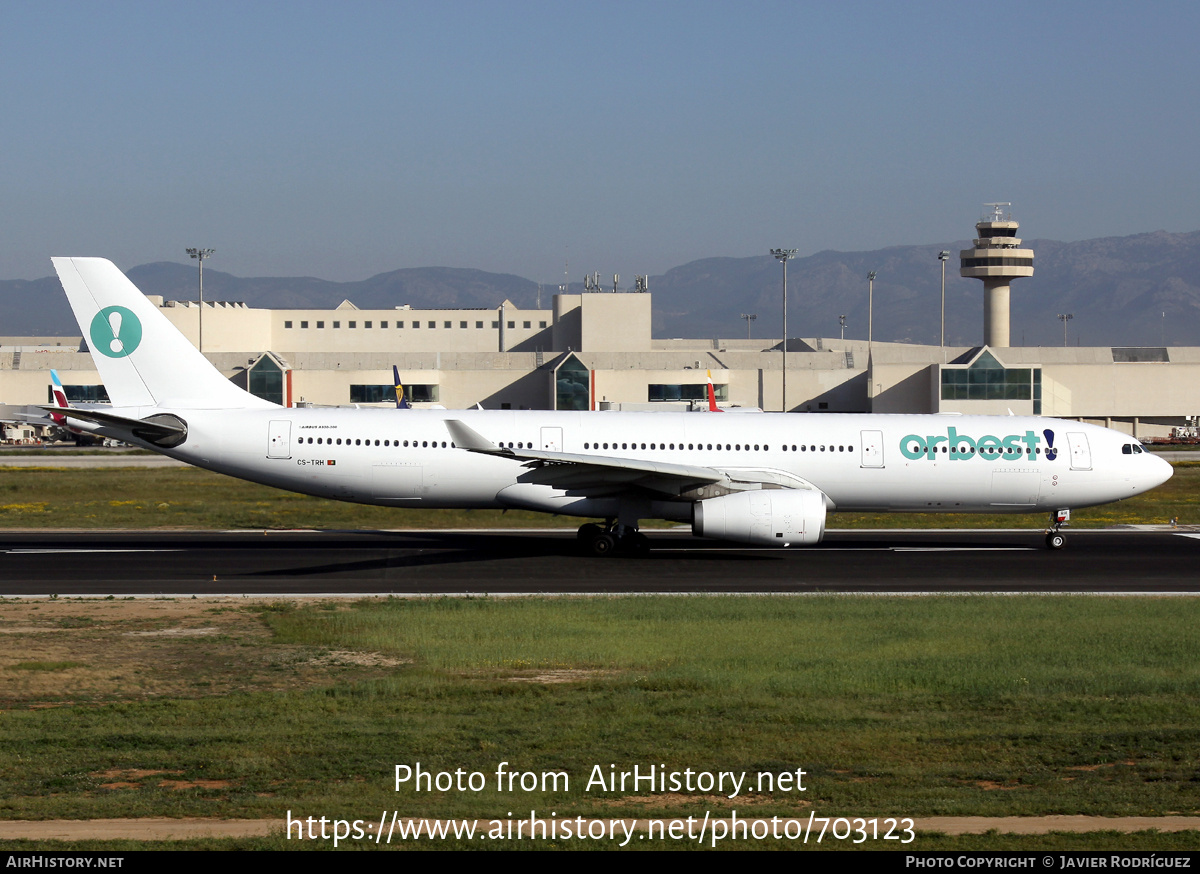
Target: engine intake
764 517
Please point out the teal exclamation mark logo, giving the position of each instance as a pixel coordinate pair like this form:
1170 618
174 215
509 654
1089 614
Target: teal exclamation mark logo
115 332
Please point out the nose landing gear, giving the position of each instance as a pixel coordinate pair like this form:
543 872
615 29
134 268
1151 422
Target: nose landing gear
1055 539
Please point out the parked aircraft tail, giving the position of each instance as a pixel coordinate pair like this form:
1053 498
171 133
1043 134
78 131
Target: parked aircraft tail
143 360
401 401
60 398
712 396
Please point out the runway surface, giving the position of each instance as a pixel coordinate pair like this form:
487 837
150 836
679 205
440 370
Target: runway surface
499 562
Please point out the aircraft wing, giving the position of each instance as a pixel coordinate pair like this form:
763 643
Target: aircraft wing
567 470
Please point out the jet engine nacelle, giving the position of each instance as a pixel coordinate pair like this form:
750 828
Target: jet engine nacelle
764 517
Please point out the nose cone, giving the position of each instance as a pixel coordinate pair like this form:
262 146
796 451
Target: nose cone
1157 472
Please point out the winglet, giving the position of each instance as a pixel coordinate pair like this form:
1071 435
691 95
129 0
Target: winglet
468 438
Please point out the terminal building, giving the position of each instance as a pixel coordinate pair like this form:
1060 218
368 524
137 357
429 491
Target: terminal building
594 351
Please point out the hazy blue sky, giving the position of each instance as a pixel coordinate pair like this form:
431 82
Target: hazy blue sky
344 139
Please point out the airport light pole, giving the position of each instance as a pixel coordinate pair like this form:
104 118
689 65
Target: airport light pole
943 256
870 309
1064 318
784 256
200 255
749 317
842 325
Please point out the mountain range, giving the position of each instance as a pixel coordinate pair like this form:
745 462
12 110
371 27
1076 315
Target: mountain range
1121 291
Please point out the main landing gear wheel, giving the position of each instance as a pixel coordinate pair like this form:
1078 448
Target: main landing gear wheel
1055 540
636 543
588 531
603 544
600 540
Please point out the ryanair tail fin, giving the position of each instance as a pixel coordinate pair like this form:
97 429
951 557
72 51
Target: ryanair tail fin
143 360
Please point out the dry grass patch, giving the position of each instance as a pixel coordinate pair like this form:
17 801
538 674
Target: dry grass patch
561 675
57 652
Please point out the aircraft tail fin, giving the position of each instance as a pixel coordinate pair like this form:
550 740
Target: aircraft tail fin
401 401
60 398
142 358
712 396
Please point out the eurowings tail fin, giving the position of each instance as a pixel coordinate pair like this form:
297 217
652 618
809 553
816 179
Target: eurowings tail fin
143 360
60 398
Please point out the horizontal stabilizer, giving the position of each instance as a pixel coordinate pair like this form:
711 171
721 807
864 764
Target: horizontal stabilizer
25 414
163 430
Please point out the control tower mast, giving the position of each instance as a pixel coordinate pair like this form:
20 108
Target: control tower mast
997 259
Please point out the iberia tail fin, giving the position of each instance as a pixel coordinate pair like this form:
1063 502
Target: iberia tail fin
143 360
712 396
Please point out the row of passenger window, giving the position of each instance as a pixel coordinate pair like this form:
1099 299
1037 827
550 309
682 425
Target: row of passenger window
730 447
339 441
983 450
414 324
734 447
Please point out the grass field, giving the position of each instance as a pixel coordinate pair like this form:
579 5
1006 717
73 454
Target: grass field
892 706
196 499
983 706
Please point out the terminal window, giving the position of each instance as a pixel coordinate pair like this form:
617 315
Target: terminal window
988 380
81 394
337 324
383 394
445 324
304 324
687 392
287 324
320 324
479 324
526 324
462 324
353 324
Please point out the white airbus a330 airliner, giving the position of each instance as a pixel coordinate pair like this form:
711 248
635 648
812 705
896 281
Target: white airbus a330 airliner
767 480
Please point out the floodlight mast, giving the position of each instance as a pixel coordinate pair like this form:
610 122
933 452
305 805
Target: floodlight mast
943 256
784 256
1066 317
870 309
749 317
200 254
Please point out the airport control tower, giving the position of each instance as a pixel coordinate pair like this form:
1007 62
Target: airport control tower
997 259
